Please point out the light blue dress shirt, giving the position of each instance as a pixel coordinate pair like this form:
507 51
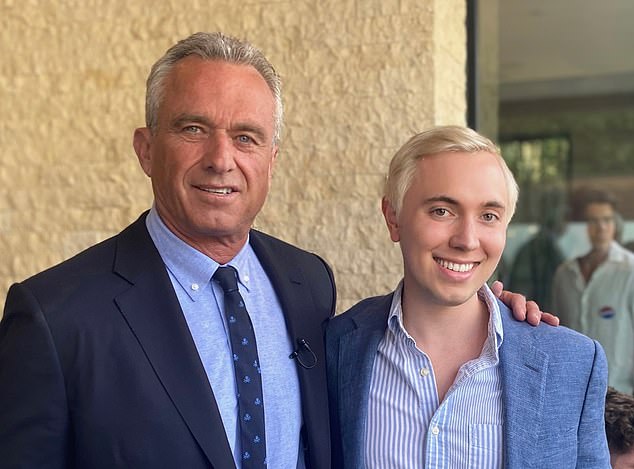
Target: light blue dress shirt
202 302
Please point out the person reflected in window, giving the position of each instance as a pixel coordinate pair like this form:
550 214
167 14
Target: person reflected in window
537 260
594 293
619 428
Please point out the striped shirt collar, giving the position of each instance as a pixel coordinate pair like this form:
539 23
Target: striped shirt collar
495 331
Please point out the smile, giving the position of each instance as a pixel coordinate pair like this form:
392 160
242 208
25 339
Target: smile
454 266
221 190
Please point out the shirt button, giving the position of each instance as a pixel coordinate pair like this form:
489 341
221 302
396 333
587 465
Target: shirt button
195 286
424 371
246 279
435 430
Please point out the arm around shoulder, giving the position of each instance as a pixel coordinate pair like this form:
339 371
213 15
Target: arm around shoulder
33 406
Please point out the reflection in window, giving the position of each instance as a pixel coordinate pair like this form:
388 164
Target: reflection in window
539 165
562 108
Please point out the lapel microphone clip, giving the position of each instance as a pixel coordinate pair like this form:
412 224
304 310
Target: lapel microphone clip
304 354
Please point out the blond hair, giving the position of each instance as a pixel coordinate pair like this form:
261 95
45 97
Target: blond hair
442 139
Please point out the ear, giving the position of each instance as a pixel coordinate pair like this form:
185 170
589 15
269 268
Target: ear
391 220
142 146
273 159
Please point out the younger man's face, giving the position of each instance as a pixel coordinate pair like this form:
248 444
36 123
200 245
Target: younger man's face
452 226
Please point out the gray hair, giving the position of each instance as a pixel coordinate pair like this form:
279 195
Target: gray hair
211 46
442 139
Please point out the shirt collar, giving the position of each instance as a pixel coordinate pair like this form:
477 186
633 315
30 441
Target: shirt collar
395 318
495 317
618 253
192 269
495 331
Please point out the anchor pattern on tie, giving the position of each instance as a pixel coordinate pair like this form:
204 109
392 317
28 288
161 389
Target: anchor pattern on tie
247 371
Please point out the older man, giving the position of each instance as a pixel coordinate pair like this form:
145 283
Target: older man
189 339
120 357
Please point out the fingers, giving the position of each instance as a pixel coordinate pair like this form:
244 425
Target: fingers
497 287
522 309
515 301
550 319
533 314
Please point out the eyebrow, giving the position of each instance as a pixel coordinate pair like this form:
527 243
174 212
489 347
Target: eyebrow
452 201
183 118
258 130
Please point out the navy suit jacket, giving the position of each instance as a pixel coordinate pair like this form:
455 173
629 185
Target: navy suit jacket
554 382
98 368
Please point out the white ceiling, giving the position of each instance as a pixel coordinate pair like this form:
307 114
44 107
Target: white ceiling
566 47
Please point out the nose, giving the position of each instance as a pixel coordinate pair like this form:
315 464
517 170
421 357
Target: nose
219 153
465 235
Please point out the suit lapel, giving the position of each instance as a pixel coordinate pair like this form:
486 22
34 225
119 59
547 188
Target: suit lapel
524 373
293 292
357 352
152 311
303 322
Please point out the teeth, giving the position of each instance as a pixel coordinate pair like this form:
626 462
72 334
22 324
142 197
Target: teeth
223 191
455 267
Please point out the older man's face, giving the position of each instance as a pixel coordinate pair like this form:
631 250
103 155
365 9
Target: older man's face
212 155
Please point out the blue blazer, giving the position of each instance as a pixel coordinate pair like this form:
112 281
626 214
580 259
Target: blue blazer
554 386
98 368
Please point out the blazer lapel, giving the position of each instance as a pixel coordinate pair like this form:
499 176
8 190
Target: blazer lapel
357 351
524 371
298 306
153 312
294 295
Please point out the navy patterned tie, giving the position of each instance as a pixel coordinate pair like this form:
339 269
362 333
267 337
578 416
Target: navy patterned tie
247 371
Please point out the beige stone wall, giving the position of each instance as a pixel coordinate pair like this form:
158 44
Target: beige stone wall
488 77
360 77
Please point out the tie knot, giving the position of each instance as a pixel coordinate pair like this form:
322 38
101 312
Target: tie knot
227 277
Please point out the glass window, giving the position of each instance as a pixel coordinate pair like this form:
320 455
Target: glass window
553 83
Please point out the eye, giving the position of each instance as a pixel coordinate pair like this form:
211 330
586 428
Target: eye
440 212
244 139
490 217
192 129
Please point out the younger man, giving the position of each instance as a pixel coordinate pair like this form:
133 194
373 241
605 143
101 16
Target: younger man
437 374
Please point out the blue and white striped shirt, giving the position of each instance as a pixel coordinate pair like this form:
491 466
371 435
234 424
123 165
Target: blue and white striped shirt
406 427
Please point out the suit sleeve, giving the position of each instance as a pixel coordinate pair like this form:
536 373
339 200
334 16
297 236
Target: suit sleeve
33 405
332 285
592 449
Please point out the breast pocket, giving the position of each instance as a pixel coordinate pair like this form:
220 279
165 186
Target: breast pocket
485 446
